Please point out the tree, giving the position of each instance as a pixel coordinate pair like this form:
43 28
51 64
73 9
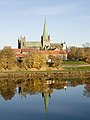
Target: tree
7 89
7 58
33 60
55 61
87 55
81 54
72 54
86 45
39 60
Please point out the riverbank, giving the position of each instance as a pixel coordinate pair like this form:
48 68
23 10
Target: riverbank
45 74
68 69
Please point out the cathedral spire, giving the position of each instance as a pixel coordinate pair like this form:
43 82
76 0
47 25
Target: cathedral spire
45 30
46 101
45 38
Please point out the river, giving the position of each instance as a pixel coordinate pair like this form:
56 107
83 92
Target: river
45 99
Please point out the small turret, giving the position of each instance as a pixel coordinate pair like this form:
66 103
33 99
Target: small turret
21 42
64 47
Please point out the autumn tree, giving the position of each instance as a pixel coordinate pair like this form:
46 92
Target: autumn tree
7 89
54 61
87 55
33 60
72 54
39 60
82 54
7 58
57 61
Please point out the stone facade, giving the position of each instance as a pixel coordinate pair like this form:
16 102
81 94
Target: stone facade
23 43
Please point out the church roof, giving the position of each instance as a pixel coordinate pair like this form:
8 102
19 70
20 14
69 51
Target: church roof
34 44
55 44
45 30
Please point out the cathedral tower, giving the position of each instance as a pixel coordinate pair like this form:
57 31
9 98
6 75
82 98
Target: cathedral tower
45 38
21 42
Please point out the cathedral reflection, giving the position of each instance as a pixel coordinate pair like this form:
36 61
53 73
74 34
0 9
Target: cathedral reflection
24 87
46 97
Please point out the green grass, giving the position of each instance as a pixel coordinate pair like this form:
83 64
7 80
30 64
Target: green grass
83 68
74 63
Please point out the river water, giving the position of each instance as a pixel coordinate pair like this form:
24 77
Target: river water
44 99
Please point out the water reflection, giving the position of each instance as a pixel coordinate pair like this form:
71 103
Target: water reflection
87 89
7 89
23 87
64 105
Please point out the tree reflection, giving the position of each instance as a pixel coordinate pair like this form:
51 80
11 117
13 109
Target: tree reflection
7 89
45 86
87 89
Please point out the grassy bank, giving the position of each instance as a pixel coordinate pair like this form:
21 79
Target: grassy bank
65 66
74 63
75 68
70 68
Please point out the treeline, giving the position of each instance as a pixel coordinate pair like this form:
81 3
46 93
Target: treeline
82 54
36 60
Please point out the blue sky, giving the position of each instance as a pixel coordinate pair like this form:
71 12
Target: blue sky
67 20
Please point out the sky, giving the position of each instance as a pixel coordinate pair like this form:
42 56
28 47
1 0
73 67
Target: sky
68 21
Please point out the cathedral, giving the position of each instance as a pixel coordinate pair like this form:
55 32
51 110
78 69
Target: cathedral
44 45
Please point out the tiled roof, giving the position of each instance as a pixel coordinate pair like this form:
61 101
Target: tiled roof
20 55
17 50
43 51
53 52
21 52
28 49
